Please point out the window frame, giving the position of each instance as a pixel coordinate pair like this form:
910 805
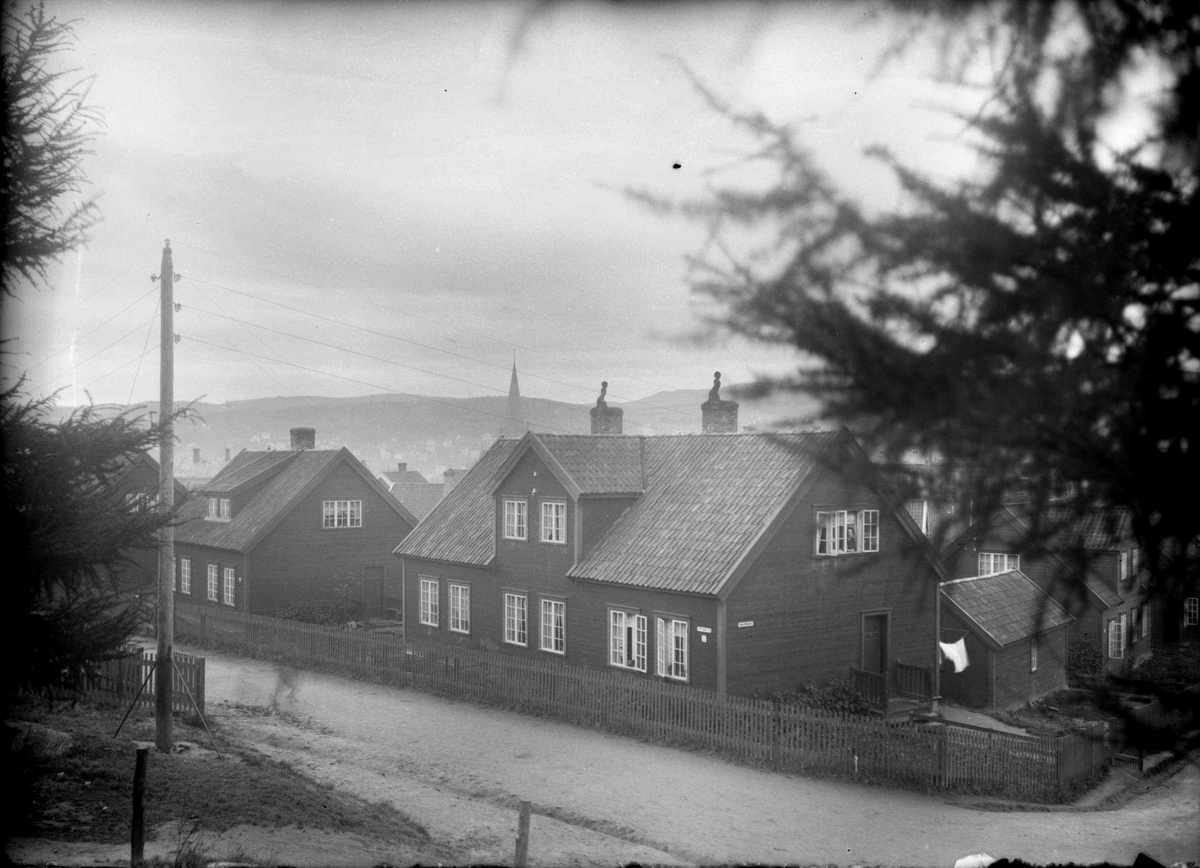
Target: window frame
336 511
1191 611
1033 654
619 637
552 631
229 586
672 670
519 526
1011 561
556 522
460 608
1116 637
218 509
836 530
428 610
511 629
185 576
1123 566
213 576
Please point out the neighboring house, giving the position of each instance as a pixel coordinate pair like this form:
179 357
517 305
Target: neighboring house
136 482
733 562
1175 615
289 526
419 498
1092 567
402 475
1015 638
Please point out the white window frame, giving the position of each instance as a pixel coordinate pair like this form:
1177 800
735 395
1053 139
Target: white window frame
218 509
516 619
341 514
553 626
1122 566
460 608
185 575
554 522
1033 654
229 587
846 532
516 519
428 608
1191 612
672 646
987 563
1116 637
1145 620
213 578
627 637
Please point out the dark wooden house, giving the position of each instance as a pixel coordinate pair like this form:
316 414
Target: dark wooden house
738 563
1092 566
289 526
1015 638
136 483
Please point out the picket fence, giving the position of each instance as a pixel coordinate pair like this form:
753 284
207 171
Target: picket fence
917 753
125 675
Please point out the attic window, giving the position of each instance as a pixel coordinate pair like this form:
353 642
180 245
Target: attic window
341 513
218 509
997 562
841 532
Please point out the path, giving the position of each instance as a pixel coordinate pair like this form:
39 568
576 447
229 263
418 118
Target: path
452 765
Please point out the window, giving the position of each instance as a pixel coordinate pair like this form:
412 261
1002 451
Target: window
627 640
1145 620
185 575
341 513
1033 648
1116 637
229 590
218 509
212 582
1135 561
554 521
847 531
429 602
460 608
554 626
1191 611
516 619
995 562
515 519
1123 566
673 648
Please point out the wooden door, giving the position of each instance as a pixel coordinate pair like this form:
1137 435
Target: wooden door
372 596
874 643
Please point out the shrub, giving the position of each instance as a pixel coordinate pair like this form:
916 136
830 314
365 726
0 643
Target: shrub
331 611
1084 662
836 695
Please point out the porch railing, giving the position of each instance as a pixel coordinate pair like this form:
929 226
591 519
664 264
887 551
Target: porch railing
871 686
914 682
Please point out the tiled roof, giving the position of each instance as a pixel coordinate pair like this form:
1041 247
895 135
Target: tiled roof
1099 529
296 472
419 497
410 477
462 527
598 464
245 468
1007 607
707 500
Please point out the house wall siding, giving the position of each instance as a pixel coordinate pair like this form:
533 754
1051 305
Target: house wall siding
201 557
973 686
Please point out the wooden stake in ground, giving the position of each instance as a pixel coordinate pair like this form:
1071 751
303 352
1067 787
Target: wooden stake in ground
137 837
522 836
165 628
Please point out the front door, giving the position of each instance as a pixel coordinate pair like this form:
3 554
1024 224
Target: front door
373 591
874 643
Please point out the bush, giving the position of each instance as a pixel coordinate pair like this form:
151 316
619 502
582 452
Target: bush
1084 662
836 695
329 612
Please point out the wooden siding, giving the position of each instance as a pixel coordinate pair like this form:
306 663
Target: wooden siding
532 481
973 686
201 557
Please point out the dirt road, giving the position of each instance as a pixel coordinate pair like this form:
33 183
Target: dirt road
603 799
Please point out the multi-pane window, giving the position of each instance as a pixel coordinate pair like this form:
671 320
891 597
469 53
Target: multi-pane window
185 575
1145 617
843 531
429 602
997 562
672 636
554 626
460 608
515 519
1123 566
554 521
516 619
1191 611
229 589
218 509
1116 637
341 513
1033 649
627 640
212 582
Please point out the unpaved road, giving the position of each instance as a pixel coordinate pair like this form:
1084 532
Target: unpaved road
603 799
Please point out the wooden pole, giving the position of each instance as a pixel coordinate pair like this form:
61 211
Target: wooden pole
137 836
165 628
522 836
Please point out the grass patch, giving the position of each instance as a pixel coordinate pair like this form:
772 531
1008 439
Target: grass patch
85 794
1057 714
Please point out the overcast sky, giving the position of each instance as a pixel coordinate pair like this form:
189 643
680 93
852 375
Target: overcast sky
383 197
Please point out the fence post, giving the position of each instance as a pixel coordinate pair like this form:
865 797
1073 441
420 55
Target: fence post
137 837
522 854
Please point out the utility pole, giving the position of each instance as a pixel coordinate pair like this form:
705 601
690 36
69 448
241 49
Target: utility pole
165 631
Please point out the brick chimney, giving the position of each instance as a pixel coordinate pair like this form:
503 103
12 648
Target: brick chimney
606 419
195 455
304 438
718 416
402 467
450 479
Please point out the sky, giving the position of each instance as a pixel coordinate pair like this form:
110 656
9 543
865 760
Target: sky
407 197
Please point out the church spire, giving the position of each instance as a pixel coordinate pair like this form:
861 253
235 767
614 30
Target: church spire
514 421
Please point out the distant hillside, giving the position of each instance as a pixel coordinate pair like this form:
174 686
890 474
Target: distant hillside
430 434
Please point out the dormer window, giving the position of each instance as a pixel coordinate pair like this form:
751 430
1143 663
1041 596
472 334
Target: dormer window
554 521
218 509
847 531
516 519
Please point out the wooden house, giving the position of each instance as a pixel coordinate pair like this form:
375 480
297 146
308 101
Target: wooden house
1014 636
739 563
136 483
289 526
1091 566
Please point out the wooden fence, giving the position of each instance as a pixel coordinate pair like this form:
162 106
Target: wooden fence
125 676
919 753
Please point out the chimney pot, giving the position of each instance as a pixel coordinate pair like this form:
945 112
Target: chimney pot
304 438
718 416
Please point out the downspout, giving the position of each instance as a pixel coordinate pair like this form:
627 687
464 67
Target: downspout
937 637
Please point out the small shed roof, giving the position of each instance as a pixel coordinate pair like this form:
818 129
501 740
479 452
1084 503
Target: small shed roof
1004 608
